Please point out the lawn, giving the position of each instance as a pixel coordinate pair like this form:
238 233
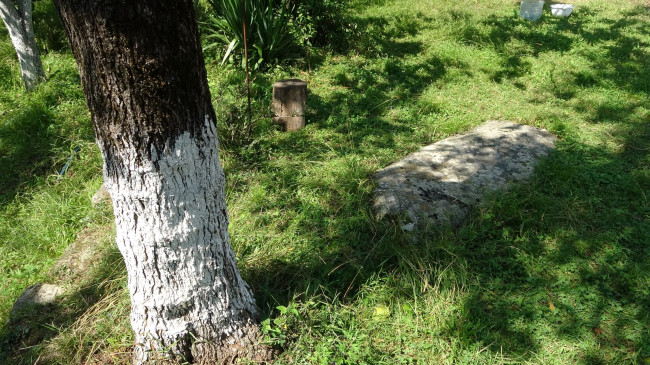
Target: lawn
555 271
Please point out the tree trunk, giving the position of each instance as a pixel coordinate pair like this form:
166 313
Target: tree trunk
18 21
145 83
289 104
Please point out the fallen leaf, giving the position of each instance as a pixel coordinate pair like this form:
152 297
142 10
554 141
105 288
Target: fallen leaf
381 312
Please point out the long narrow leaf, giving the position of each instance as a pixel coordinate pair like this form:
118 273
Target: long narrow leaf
228 51
266 22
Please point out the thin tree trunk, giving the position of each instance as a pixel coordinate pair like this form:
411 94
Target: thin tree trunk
145 83
18 21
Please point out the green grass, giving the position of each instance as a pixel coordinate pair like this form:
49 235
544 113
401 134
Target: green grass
556 271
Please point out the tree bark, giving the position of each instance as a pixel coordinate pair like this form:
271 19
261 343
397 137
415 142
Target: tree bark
18 20
145 84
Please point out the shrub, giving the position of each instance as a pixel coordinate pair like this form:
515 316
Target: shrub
267 30
321 23
235 126
274 26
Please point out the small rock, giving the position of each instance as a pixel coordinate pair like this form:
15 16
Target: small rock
408 227
101 196
37 294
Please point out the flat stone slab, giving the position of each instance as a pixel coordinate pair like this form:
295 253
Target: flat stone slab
441 183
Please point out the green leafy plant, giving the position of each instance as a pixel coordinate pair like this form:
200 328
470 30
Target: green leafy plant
235 126
276 330
267 31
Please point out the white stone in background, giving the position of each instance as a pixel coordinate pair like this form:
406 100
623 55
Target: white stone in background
441 183
37 294
101 196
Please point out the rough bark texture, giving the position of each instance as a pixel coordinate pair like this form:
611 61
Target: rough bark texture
17 16
145 84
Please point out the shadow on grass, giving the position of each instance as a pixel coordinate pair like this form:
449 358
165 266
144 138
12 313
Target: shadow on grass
578 233
624 63
379 74
25 147
563 257
6 75
24 338
33 137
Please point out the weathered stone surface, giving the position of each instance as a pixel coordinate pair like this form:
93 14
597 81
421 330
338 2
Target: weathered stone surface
37 294
101 196
440 183
80 258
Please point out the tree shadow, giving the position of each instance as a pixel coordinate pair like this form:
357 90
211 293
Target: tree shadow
530 39
584 243
563 255
7 76
26 143
382 36
356 99
626 64
515 39
8 72
559 254
33 142
29 330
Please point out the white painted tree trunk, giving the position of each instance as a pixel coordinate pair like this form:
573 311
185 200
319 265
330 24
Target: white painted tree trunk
17 17
171 220
145 83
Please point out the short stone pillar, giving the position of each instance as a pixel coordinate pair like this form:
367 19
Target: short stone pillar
289 104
